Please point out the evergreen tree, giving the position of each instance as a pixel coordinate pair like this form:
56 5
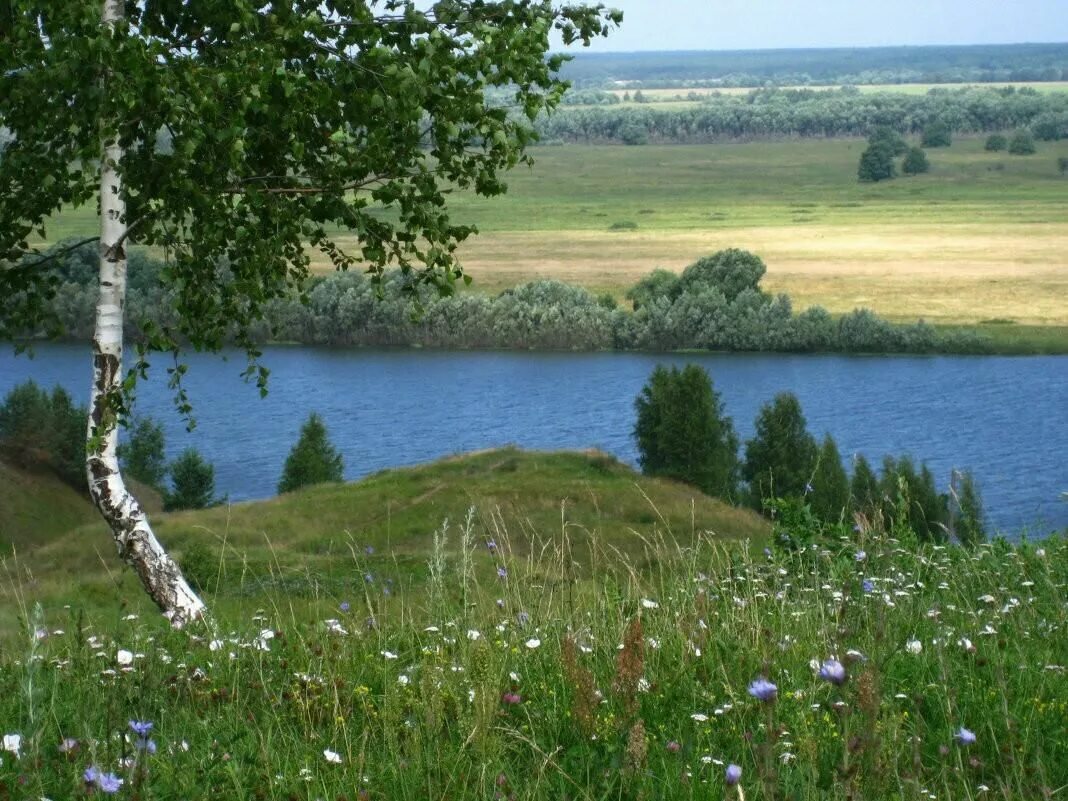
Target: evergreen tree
143 455
781 457
193 481
927 510
313 459
42 430
968 523
915 162
682 432
864 488
830 485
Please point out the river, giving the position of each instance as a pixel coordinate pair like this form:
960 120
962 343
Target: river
1005 418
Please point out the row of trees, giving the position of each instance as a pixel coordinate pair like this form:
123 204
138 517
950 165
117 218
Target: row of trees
716 304
683 433
779 113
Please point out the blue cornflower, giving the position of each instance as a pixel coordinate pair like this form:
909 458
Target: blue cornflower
860 556
92 773
734 774
345 606
145 744
965 736
141 728
868 585
833 671
109 783
763 690
502 573
368 578
491 545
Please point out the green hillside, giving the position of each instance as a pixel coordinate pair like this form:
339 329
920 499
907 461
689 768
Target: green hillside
326 542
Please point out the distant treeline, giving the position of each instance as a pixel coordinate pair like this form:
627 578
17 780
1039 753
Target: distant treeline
826 67
715 304
814 113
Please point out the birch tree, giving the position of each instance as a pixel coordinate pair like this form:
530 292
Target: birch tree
237 136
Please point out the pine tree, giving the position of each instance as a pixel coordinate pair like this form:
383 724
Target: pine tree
313 459
682 432
193 481
830 485
864 494
143 455
969 526
781 457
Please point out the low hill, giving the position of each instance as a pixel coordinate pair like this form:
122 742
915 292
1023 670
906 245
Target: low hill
36 508
515 506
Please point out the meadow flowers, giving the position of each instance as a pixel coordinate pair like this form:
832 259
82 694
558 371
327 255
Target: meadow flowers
763 690
733 774
964 736
12 743
833 671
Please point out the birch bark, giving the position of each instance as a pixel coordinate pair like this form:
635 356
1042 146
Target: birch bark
136 543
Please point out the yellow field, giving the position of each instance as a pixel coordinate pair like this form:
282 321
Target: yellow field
667 95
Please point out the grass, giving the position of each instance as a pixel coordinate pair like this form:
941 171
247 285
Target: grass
982 236
681 95
623 682
37 507
306 541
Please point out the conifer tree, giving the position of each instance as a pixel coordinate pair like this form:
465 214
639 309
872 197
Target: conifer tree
864 494
781 457
313 459
830 484
968 524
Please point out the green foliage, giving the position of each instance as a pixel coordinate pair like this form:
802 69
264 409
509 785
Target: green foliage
313 459
634 134
968 525
143 457
829 498
683 433
886 135
915 162
937 134
912 501
1022 144
38 429
864 491
192 481
877 163
996 143
659 283
1062 165
781 457
361 118
730 271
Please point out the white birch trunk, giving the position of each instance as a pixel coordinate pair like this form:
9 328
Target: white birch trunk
136 543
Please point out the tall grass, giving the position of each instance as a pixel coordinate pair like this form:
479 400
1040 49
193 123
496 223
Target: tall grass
512 674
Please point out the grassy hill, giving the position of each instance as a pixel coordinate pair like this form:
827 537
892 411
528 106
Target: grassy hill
326 542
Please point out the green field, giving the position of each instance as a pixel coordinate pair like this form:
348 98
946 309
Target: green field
674 96
982 237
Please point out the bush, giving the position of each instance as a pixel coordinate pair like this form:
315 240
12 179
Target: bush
996 143
732 271
937 134
781 456
1062 165
864 494
682 432
192 481
143 456
915 162
1022 144
43 430
659 283
968 525
877 163
830 485
884 134
313 459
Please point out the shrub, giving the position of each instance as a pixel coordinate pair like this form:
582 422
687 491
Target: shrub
623 225
38 429
193 483
143 456
830 485
781 456
864 495
915 162
877 163
1062 165
1022 144
996 143
313 459
886 135
732 271
659 283
634 134
937 134
682 432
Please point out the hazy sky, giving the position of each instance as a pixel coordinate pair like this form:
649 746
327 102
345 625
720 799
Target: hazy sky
744 24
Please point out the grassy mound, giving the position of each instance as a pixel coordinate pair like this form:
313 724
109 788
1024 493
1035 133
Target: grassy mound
36 508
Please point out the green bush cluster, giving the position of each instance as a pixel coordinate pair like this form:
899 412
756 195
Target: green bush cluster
46 430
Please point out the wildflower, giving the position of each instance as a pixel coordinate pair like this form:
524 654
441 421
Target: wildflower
522 618
369 550
502 573
808 488
860 556
511 698
109 783
673 747
344 606
141 728
403 680
389 655
699 717
1040 552
473 634
333 757
648 603
145 744
966 644
491 546
733 774
500 603
533 643
68 745
868 586
833 671
368 578
964 736
12 743
91 774
763 690
124 657
914 646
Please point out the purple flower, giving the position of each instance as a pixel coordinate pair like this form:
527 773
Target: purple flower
965 736
491 545
860 556
345 606
868 585
512 698
369 550
767 552
141 728
734 774
109 783
368 578
145 744
674 747
91 774
833 671
68 744
502 572
763 690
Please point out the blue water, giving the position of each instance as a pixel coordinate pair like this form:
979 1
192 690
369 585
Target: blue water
1005 418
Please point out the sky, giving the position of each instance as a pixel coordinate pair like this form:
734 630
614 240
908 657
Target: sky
760 24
